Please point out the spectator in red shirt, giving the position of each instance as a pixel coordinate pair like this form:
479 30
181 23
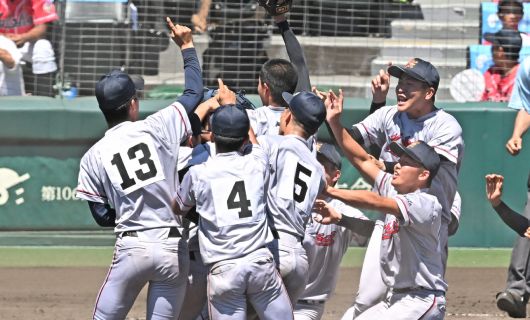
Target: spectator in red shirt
24 22
500 78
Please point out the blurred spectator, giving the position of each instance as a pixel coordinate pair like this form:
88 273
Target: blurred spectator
500 78
510 13
24 22
11 81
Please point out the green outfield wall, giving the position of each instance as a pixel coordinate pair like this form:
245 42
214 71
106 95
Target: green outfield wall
43 139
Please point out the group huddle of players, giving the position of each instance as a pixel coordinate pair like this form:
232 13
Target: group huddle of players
234 210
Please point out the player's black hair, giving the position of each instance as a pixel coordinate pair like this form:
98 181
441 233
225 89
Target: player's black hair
280 76
119 114
513 6
228 144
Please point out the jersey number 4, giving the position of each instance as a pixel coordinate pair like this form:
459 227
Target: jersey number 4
144 159
243 204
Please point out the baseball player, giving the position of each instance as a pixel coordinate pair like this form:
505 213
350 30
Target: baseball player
410 248
515 297
296 180
196 292
278 76
129 178
229 191
414 118
326 244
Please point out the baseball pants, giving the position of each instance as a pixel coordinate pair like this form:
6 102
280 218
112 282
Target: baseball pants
291 260
253 277
372 289
138 259
518 280
415 304
305 310
196 296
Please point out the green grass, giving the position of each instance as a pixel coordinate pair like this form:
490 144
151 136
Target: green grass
458 257
101 257
55 256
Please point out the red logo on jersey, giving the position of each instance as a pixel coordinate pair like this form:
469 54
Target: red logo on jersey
395 137
325 240
390 229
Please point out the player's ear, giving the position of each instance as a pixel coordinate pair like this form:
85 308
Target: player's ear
424 175
134 109
430 93
336 176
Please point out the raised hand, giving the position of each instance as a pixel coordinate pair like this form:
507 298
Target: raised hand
334 106
181 35
380 85
494 188
326 213
224 95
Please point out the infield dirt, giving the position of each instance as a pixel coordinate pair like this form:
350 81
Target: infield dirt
69 293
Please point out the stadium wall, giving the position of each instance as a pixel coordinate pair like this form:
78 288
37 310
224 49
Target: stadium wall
43 139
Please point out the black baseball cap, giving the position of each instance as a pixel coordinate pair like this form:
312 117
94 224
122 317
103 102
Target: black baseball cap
507 39
418 69
230 121
329 152
114 89
307 108
420 152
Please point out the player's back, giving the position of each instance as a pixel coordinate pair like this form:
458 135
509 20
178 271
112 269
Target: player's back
133 168
230 192
265 120
296 180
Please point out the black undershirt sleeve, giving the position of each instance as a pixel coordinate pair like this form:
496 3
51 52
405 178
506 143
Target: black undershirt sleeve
104 215
515 221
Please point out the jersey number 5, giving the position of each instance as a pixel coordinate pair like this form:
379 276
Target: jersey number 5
300 184
140 174
243 204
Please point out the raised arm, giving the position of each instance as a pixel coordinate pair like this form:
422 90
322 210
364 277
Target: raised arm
514 220
353 151
328 215
363 199
295 53
193 84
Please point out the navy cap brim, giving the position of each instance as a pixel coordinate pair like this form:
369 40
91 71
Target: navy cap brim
287 97
399 150
397 72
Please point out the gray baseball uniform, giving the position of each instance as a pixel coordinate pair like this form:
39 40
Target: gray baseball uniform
296 180
438 129
196 292
133 168
325 246
229 191
265 120
410 257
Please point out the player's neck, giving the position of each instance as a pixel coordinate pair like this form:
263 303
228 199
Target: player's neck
421 110
295 131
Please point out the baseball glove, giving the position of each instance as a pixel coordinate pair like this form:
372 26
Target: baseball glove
276 7
240 98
